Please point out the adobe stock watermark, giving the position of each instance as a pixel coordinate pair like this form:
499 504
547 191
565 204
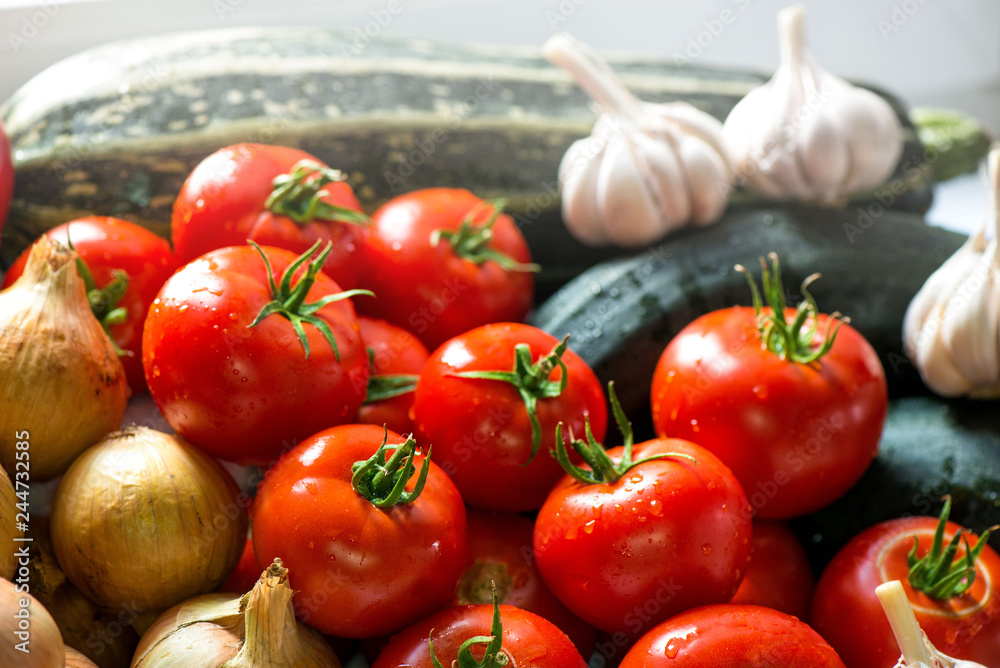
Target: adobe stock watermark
900 15
424 149
712 29
32 25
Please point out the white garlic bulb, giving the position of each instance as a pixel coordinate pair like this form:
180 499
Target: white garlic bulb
952 327
646 169
809 135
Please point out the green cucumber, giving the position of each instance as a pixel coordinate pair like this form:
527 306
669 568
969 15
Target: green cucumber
116 129
930 447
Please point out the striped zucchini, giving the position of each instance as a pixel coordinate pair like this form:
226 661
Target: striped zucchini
116 129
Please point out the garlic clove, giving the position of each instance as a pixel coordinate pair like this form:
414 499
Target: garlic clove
809 135
646 170
951 329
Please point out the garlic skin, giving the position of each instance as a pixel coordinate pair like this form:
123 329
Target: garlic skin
144 520
62 386
646 169
809 135
951 330
256 630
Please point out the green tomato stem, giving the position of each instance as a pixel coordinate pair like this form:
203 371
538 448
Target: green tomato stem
300 195
471 241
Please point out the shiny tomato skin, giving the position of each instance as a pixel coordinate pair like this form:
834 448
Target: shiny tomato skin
779 575
480 430
248 394
530 641
222 203
6 176
359 571
668 536
246 574
500 550
107 244
394 351
864 639
732 636
797 436
429 290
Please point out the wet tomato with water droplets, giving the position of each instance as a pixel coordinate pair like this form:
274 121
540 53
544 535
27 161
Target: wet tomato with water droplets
243 392
670 534
732 636
527 640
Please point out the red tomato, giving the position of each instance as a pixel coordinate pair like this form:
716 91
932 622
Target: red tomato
796 435
396 358
480 428
500 552
6 176
668 535
438 291
779 576
529 641
358 570
241 393
224 203
847 613
108 245
732 636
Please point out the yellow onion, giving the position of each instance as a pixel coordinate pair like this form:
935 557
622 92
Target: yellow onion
62 386
8 527
256 630
29 637
109 639
76 659
143 520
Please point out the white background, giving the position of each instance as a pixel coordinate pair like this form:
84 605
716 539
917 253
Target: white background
938 52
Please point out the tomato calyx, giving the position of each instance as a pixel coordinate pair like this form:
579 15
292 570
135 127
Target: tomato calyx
494 657
789 340
603 469
531 380
299 195
290 301
383 481
387 386
104 301
938 574
471 241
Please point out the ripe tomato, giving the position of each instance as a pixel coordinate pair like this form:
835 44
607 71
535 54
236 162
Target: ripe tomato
227 200
779 575
247 393
6 176
527 640
395 360
481 428
797 434
732 636
501 553
626 543
476 272
847 613
360 570
108 245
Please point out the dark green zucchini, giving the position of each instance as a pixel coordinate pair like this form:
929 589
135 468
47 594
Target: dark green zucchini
116 129
930 447
621 313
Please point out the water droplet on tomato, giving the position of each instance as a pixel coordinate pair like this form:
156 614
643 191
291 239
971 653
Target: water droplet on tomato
694 426
672 648
588 528
183 308
760 391
656 508
706 549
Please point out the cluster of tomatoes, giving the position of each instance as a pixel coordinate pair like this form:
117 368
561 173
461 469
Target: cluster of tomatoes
437 483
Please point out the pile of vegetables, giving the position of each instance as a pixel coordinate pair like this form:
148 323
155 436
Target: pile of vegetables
439 486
